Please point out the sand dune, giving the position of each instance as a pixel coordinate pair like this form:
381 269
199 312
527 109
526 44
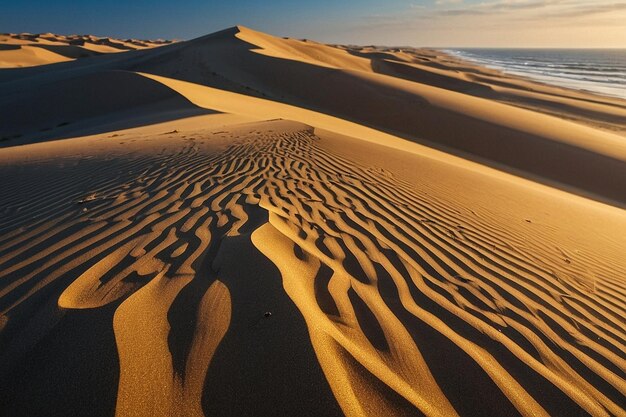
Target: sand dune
238 225
440 70
26 50
571 155
88 104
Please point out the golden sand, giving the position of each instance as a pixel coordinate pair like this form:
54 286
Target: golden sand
248 225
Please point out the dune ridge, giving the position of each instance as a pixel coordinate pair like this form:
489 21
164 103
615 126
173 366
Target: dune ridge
27 49
205 241
574 154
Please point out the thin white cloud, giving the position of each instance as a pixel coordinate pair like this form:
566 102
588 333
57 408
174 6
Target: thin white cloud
560 22
446 2
514 9
504 6
587 10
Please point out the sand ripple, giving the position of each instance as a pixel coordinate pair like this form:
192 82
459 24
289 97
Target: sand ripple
412 304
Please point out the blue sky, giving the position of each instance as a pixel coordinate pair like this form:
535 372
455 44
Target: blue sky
532 23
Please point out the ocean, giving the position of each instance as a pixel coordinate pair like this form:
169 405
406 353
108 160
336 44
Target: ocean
601 71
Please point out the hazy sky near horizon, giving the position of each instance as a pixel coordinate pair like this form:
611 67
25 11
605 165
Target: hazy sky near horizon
442 23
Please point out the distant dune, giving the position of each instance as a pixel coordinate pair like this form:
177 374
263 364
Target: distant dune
26 49
248 225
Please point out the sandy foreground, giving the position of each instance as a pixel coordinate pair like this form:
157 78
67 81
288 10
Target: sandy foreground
247 225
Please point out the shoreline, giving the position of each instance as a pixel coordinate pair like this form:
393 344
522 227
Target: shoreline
547 79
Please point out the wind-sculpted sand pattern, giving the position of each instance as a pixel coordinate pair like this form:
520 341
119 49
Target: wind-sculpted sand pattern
414 306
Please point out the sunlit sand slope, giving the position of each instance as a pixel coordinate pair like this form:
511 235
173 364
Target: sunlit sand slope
479 115
271 268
